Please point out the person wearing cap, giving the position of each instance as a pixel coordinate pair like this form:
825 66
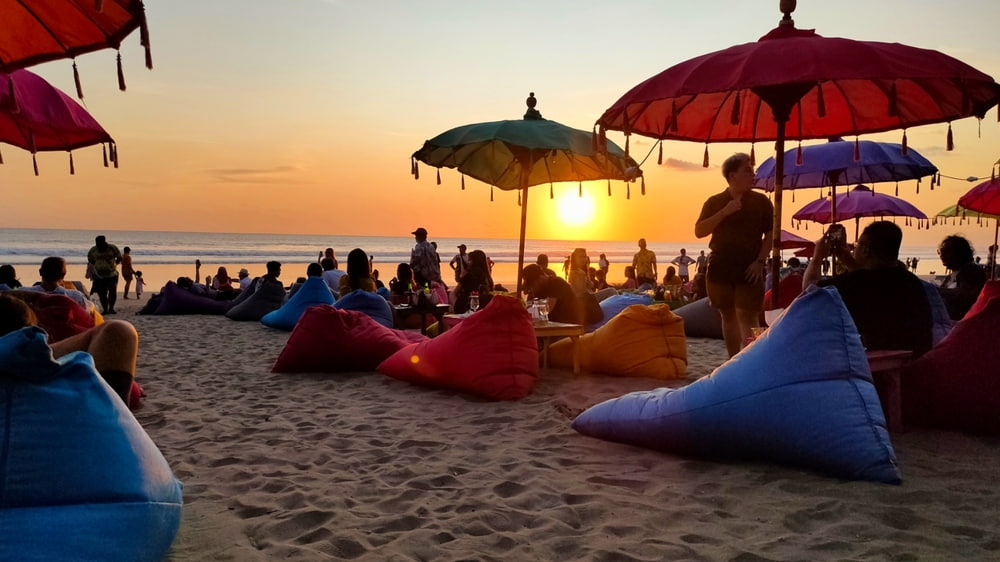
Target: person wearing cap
424 259
245 279
460 263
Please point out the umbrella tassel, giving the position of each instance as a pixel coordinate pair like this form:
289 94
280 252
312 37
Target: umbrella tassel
905 148
491 194
893 109
552 193
628 191
72 168
951 139
626 146
798 155
463 182
1 158
897 189
104 153
121 73
581 189
144 39
734 117
439 176
416 171
704 162
857 150
753 157
114 154
609 188
659 159
76 80
918 186
820 101
603 139
593 139
642 183
34 163
519 198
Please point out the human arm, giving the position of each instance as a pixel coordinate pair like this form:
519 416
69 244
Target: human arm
707 225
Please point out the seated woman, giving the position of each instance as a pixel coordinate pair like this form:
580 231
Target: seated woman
631 283
358 273
565 305
114 345
672 282
402 284
222 283
477 279
961 287
8 277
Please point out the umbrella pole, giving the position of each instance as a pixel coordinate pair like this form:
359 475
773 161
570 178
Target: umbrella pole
996 232
520 248
779 179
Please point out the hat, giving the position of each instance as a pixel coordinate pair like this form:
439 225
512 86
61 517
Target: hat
420 232
461 246
244 272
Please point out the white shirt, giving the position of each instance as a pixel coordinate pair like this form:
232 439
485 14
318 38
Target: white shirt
245 283
332 279
77 296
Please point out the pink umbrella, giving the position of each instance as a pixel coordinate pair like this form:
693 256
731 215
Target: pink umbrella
859 202
791 241
37 116
985 198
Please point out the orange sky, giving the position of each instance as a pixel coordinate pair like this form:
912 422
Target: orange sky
300 117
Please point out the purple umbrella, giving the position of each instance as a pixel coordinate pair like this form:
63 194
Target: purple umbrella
856 203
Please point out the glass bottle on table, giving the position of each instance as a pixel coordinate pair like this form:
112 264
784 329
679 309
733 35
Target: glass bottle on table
474 301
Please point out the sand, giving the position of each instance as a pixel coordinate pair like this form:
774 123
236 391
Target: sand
360 466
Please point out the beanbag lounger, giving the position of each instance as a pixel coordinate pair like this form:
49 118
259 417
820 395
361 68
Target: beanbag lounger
79 478
178 300
267 296
369 303
330 340
59 315
313 291
789 287
956 385
990 290
492 353
641 341
617 303
801 394
941 322
700 320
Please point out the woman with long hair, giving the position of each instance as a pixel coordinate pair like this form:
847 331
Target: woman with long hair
477 279
358 273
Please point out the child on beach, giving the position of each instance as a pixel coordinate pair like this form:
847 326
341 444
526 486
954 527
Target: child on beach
139 284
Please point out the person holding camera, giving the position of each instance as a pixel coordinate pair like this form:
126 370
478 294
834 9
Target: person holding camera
740 223
888 304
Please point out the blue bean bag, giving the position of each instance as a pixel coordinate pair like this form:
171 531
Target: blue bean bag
79 478
178 300
262 297
941 321
313 291
614 304
700 320
369 303
801 395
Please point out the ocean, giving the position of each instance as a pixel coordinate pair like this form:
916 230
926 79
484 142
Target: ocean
164 256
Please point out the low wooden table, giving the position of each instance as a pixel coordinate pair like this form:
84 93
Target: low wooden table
403 311
886 367
553 330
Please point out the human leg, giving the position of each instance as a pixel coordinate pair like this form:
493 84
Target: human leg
721 296
749 300
128 284
112 294
114 345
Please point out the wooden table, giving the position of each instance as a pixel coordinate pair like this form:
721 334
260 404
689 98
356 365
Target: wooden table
404 311
886 367
553 330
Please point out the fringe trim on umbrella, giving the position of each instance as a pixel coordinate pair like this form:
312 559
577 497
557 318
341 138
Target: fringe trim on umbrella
897 189
491 193
628 191
905 147
463 182
857 150
753 157
76 80
439 176
798 155
1 158
34 163
144 38
581 189
951 139
114 154
72 168
593 139
552 193
626 145
519 198
659 159
121 73
104 153
603 139
820 101
609 188
918 186
704 162
642 183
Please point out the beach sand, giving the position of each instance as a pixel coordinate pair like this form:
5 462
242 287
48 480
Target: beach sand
360 466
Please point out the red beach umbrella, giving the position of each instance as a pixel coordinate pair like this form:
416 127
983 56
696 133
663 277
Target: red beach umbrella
794 83
37 116
37 31
985 198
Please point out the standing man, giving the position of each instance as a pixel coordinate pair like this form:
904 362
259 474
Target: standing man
644 263
682 262
740 222
424 259
460 263
104 258
702 266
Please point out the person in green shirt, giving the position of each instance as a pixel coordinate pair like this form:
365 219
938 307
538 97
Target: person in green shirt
104 259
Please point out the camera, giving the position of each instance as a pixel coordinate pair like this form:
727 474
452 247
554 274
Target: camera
836 235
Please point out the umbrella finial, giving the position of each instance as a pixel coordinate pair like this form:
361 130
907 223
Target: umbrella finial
787 7
532 113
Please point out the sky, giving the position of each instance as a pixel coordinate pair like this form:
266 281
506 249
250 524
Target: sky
300 116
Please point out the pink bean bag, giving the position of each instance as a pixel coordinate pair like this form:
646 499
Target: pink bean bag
492 353
330 340
990 290
956 385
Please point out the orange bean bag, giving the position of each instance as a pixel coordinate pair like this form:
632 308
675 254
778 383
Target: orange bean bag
492 353
640 341
330 340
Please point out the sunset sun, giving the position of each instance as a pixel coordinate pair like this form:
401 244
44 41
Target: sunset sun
575 210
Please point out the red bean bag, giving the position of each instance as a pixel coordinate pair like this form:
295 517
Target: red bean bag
956 385
492 353
990 290
59 315
330 340
788 288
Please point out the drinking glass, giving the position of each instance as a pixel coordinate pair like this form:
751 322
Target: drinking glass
473 303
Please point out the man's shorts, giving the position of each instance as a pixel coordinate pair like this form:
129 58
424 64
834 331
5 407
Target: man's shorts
110 283
741 296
